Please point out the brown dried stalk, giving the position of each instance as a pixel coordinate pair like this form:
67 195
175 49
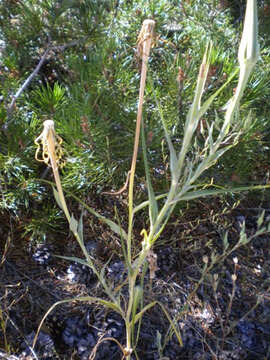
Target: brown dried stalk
144 44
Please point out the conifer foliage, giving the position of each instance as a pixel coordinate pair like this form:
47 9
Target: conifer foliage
75 62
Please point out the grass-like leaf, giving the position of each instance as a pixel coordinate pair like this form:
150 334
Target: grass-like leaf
80 226
215 192
149 306
90 299
173 156
57 198
113 226
153 207
193 114
73 259
73 225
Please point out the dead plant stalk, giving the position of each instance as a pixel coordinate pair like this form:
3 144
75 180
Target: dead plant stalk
144 45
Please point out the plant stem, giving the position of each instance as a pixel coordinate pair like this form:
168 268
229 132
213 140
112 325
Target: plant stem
144 45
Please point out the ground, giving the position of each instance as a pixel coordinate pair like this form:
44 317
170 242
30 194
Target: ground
219 301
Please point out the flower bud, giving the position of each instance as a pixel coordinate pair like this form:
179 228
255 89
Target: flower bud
249 47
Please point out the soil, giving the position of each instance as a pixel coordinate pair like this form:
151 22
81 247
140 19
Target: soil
222 310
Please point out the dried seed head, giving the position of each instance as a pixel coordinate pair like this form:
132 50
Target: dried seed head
48 124
152 260
205 259
146 33
127 351
49 144
181 75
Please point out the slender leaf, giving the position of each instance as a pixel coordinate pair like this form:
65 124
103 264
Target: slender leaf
225 241
177 334
109 304
146 203
123 243
210 100
193 114
57 198
149 306
214 192
140 314
113 226
173 156
102 272
74 259
153 207
73 225
80 226
260 219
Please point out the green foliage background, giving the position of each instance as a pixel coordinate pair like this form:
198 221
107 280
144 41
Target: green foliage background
89 85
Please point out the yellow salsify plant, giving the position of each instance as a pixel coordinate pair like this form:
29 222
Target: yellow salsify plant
49 145
184 174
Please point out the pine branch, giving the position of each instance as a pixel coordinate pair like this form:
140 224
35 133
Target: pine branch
26 84
72 43
11 107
